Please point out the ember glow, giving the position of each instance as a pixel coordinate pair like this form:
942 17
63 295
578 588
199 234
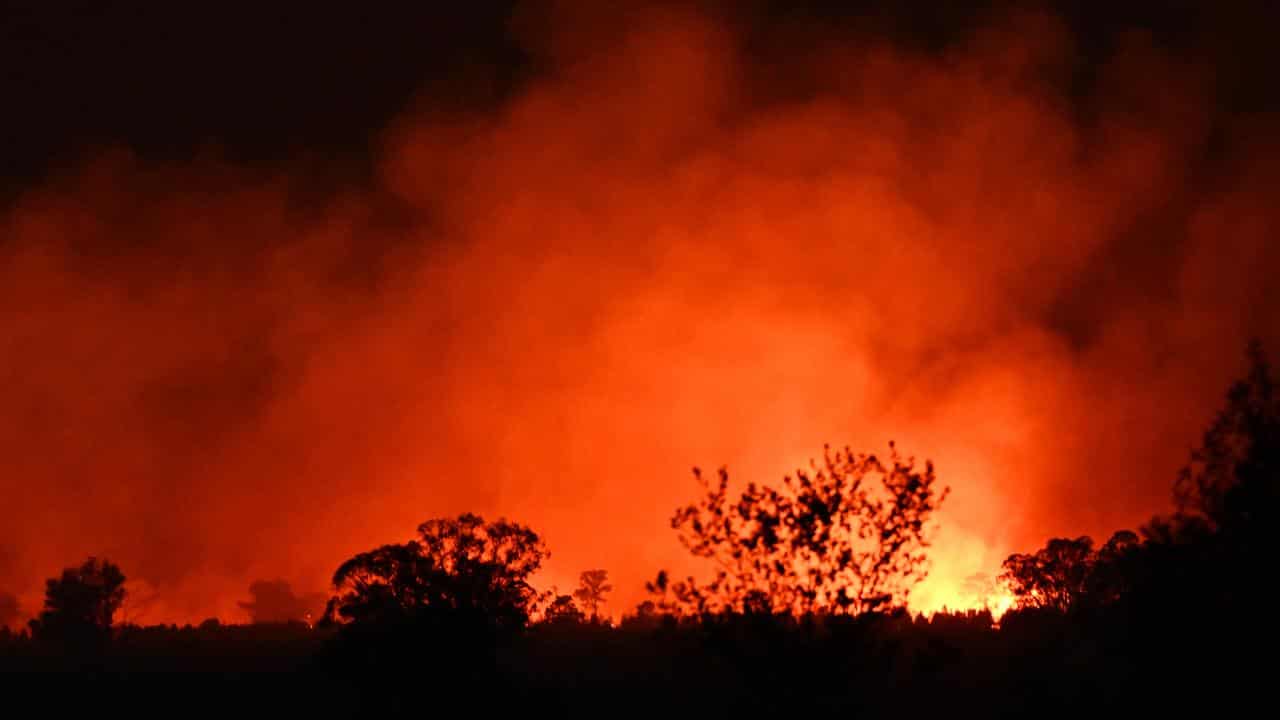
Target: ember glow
658 251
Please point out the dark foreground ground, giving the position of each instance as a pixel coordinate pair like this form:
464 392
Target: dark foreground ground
1037 663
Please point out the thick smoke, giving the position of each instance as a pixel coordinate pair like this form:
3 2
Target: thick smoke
661 252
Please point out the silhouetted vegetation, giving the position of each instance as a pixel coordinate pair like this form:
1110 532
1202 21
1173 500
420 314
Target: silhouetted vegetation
1154 619
848 536
456 566
273 601
563 611
593 586
1067 573
80 605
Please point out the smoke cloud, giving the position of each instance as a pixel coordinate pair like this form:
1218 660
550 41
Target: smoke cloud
659 252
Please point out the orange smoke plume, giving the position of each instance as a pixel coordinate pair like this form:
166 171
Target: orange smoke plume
660 251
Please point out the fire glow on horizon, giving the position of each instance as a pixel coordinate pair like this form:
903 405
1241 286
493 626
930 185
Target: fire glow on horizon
643 261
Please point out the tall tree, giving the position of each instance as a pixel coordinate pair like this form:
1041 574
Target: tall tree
593 585
82 602
847 536
1069 573
1209 554
1056 576
1233 479
463 564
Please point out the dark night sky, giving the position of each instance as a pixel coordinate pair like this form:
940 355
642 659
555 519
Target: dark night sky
270 83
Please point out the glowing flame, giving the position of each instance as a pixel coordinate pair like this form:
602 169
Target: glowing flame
1000 605
998 602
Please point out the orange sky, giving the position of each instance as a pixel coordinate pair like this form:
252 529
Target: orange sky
644 261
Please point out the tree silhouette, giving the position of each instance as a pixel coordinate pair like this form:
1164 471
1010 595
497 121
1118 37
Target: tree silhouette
1117 566
645 615
846 537
461 565
81 604
1056 576
273 601
562 611
1207 555
1233 479
593 585
1066 574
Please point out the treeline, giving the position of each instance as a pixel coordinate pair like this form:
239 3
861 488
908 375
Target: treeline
804 609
